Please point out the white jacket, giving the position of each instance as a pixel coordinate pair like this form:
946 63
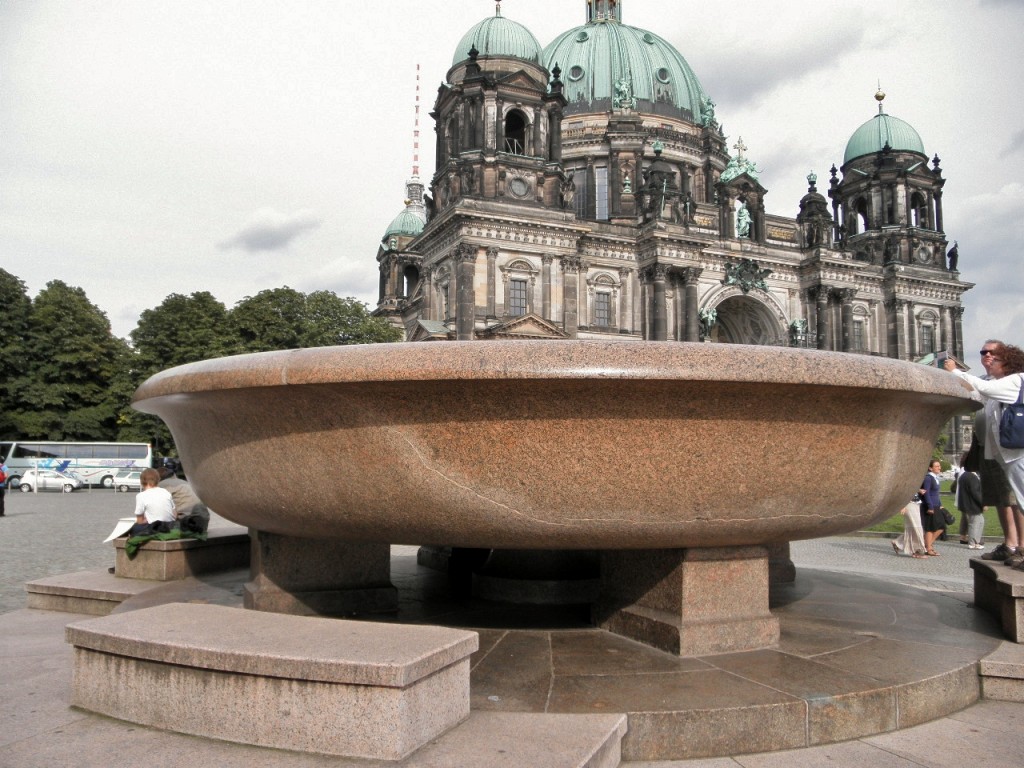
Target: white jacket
994 392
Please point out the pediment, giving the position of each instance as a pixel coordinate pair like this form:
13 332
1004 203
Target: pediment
521 79
744 182
529 326
430 330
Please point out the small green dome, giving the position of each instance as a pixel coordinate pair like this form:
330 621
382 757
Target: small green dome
880 130
595 57
406 224
498 36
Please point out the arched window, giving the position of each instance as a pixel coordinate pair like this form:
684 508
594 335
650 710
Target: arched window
919 210
515 132
411 277
861 221
519 278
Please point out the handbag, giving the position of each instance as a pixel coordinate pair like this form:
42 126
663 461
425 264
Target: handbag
1011 423
947 516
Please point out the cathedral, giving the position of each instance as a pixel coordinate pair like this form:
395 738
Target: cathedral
585 189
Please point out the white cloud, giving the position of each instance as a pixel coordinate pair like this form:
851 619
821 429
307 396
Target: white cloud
270 230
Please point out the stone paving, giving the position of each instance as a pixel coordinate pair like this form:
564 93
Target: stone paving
50 533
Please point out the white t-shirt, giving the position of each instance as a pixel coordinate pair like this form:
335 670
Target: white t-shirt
155 505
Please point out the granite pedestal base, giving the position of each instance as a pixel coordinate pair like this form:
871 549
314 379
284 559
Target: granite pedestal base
1000 591
181 558
358 689
689 602
325 577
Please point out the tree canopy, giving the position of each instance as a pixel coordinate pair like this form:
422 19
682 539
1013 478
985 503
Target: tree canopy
64 375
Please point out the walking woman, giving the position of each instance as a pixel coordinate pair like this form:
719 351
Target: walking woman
931 516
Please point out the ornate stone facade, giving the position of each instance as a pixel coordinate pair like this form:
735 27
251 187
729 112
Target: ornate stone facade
623 214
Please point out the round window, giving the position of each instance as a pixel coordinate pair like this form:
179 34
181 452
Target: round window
663 75
576 73
649 38
518 186
582 37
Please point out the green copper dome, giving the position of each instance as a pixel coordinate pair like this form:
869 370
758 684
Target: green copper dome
880 130
406 224
498 36
604 59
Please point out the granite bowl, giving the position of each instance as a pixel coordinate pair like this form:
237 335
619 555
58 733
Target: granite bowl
555 444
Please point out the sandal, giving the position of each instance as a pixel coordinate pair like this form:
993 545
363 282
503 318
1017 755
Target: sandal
932 553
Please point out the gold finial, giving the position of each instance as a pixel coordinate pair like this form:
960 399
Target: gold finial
879 96
497 7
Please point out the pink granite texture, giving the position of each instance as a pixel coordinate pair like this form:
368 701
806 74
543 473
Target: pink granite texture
564 444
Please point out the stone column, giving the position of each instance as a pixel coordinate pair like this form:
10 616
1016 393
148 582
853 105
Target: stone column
465 271
659 310
821 294
428 291
492 257
555 136
945 340
846 302
690 602
626 300
545 286
691 284
897 327
678 310
938 210
327 577
912 340
583 296
570 313
958 332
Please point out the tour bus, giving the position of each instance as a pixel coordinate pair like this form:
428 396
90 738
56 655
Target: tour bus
94 463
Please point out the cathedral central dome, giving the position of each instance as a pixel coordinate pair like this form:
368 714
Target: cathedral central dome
604 52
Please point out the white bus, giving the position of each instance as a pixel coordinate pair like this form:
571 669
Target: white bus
94 463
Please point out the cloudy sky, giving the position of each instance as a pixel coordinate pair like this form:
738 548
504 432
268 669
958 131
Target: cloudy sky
150 147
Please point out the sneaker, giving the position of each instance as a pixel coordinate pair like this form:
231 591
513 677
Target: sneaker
999 553
1015 559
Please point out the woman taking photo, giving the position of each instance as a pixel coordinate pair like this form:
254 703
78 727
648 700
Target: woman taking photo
1006 364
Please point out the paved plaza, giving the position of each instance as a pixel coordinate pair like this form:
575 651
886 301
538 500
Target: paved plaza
50 534
80 521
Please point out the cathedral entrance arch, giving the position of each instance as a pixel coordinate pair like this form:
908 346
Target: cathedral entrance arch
745 320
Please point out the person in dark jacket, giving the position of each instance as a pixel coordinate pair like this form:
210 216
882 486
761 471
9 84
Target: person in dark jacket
967 490
931 517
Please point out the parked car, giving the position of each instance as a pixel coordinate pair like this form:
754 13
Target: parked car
49 480
127 480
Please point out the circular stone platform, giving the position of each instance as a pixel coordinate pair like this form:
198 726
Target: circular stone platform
857 656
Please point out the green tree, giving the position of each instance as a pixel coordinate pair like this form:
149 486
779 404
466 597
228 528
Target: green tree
182 329
283 318
71 358
15 309
332 320
272 319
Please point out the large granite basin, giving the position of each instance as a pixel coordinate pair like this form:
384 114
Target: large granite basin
564 444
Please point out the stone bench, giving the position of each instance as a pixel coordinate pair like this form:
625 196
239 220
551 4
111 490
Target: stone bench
350 688
224 549
1000 591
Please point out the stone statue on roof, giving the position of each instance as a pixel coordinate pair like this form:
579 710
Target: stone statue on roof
623 98
707 111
